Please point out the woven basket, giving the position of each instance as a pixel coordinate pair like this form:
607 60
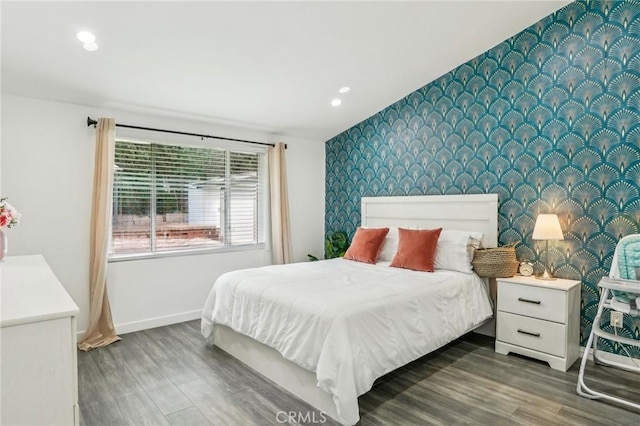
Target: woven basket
499 262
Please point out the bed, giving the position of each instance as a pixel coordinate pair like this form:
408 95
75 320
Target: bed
327 330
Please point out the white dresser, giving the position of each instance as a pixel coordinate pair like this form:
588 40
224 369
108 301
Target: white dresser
38 367
539 319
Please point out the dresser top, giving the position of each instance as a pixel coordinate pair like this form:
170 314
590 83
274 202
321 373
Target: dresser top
557 284
30 292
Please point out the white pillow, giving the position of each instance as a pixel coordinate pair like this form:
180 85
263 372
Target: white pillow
455 250
390 245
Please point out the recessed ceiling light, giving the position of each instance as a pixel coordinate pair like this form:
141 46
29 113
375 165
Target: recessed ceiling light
336 102
86 37
90 47
344 89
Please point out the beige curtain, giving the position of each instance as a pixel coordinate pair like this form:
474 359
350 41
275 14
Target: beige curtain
100 331
281 251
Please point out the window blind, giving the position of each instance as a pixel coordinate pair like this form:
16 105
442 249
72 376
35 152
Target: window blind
174 197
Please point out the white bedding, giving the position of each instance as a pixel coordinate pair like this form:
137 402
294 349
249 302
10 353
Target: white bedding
348 322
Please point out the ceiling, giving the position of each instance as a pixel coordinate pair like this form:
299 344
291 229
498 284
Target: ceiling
274 66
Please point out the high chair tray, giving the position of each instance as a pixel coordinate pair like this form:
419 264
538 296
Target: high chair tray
620 284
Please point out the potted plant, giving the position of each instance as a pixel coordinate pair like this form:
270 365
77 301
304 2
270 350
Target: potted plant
336 245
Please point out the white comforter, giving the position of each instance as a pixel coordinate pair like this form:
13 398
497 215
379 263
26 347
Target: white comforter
348 322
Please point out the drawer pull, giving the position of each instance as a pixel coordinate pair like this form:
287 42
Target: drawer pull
520 299
528 333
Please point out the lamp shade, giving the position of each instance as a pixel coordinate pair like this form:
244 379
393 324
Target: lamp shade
547 228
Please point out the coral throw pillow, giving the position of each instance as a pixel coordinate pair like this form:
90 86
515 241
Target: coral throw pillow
416 249
366 245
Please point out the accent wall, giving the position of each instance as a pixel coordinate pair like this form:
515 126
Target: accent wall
549 120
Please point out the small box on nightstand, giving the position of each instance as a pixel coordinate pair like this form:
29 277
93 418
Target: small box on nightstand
539 319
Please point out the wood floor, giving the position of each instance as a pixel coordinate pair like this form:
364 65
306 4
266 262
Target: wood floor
168 376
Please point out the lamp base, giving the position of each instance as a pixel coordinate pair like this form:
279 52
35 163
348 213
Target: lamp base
546 276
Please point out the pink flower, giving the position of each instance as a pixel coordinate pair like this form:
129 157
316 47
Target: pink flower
9 216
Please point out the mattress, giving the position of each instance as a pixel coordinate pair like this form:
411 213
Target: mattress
348 322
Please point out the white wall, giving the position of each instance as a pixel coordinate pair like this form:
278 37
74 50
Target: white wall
46 170
306 184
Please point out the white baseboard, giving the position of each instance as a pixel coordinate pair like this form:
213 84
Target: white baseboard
130 327
621 359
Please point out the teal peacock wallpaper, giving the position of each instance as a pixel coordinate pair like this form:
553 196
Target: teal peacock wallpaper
549 120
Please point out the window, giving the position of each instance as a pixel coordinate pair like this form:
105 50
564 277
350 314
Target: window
169 198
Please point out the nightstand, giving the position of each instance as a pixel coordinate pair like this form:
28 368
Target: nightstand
539 319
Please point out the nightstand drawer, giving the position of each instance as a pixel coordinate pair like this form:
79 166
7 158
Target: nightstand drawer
537 302
531 333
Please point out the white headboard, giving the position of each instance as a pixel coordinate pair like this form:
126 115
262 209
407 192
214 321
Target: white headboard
473 212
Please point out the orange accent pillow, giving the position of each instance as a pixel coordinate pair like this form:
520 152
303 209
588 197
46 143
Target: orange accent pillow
366 244
416 249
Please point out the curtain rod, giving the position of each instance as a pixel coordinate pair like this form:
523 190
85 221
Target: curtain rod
92 122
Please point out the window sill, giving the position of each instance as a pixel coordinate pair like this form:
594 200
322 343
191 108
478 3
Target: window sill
193 252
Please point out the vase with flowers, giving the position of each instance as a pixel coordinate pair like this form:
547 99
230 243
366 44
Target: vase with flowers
9 217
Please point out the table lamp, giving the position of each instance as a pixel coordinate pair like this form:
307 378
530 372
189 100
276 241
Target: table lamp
547 228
